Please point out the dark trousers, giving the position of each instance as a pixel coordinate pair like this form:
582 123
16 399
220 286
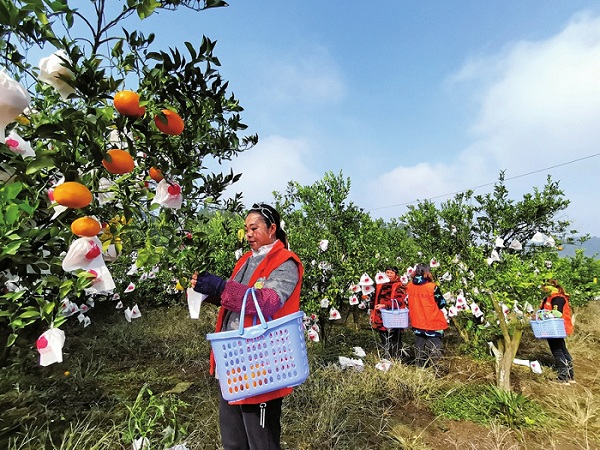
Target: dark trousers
391 340
562 359
428 350
250 427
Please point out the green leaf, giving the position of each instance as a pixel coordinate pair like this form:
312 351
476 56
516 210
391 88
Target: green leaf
12 248
11 339
28 208
145 9
50 131
142 257
191 49
11 214
117 50
29 314
154 55
48 308
65 288
59 321
11 190
215 4
13 296
38 164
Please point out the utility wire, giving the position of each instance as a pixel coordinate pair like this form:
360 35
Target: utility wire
490 184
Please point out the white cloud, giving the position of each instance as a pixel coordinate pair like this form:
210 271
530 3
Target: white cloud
549 92
269 166
539 106
404 184
309 76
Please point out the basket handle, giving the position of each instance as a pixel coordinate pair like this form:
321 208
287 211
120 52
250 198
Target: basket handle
395 304
263 322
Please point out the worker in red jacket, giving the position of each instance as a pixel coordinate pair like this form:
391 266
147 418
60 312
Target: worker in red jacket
385 293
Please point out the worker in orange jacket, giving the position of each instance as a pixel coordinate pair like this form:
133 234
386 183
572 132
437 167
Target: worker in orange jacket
276 274
425 301
557 301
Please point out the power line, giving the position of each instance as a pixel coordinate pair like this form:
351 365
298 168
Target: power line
489 184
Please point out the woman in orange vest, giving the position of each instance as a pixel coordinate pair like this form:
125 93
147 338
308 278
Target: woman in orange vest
557 301
276 273
425 301
391 339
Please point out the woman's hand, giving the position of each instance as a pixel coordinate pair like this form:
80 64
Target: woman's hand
207 283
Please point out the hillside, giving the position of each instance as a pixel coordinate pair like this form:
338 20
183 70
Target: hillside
591 248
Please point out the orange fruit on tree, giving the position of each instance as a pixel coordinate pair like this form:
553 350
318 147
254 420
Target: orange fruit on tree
156 174
118 161
171 124
72 195
128 104
86 226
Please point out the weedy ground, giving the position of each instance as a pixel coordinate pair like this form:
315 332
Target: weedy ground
120 381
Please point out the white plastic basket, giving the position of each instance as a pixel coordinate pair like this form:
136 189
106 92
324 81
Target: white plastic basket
261 358
395 317
547 327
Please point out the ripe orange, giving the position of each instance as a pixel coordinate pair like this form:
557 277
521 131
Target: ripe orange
128 104
86 226
118 161
155 174
173 125
72 195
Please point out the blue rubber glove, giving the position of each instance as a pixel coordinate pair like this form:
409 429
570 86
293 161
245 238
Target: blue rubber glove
209 284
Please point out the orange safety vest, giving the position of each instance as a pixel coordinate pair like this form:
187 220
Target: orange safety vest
423 310
566 312
276 257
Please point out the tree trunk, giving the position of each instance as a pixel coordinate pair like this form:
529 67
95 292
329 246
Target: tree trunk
505 354
352 311
323 325
464 334
4 350
506 350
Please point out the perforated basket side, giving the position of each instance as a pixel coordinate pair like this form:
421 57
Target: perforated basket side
260 360
548 328
395 318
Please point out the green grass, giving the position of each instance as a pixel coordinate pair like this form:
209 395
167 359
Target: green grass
479 403
120 380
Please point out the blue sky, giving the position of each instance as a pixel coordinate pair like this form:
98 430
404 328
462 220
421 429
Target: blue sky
411 100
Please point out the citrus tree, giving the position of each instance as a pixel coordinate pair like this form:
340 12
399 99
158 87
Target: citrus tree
337 242
491 269
580 274
111 129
